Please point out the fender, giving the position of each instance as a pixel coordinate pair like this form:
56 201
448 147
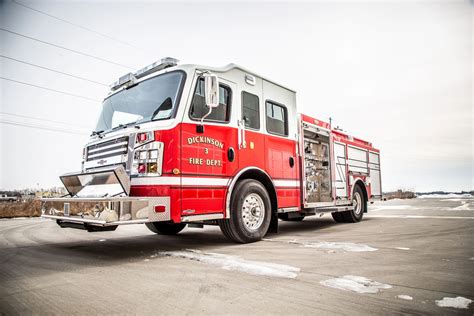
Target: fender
363 185
237 178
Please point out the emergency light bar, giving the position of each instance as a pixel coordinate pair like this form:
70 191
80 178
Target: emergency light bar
130 78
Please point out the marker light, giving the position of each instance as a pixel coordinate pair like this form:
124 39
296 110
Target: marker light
145 137
141 168
152 167
160 209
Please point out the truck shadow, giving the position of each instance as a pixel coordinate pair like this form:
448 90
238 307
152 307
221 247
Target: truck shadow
116 248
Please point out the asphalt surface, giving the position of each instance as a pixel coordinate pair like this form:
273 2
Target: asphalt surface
423 249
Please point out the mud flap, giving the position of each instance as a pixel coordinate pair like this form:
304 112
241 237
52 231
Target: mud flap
273 228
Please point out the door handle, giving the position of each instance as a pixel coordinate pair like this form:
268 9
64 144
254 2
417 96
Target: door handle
241 134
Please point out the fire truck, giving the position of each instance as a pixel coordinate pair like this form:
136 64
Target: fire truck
179 145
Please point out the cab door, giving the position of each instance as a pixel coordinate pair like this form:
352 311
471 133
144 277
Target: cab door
251 125
209 156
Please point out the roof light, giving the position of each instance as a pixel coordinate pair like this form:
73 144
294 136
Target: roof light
130 78
157 66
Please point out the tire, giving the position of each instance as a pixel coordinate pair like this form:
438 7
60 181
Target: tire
284 217
165 228
250 213
360 206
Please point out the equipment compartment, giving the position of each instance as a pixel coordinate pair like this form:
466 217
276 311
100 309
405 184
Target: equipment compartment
317 170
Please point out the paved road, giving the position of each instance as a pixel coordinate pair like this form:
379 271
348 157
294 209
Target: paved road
46 269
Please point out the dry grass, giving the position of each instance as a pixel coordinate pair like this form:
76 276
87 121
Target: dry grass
29 208
32 208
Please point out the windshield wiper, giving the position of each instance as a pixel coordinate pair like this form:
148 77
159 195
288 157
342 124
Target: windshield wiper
125 126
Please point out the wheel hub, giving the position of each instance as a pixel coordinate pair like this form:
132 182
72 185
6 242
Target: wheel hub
253 211
357 203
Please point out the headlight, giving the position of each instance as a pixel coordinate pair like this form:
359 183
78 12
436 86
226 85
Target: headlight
147 159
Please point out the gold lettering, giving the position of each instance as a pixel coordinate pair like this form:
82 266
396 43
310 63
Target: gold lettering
213 162
205 140
195 161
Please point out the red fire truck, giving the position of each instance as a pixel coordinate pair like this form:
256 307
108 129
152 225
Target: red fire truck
179 145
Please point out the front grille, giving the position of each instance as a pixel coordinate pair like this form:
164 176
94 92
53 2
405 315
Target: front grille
109 148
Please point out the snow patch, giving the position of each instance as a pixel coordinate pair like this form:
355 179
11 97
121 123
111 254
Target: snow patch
102 240
445 196
455 302
471 258
463 207
356 284
236 263
405 297
402 248
345 246
393 207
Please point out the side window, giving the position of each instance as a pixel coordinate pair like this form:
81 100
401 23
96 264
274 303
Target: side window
250 110
199 107
277 118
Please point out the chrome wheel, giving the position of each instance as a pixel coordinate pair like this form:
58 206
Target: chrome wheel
357 203
253 212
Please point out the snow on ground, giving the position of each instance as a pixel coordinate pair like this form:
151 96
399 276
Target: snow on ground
236 263
463 207
455 302
445 196
392 207
356 284
327 245
405 297
402 248
344 246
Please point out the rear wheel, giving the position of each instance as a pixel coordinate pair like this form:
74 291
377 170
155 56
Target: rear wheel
250 213
165 228
360 206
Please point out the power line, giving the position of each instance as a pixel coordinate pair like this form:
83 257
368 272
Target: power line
41 119
42 127
53 70
68 49
79 26
58 91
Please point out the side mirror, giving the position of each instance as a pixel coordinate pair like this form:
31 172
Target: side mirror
211 86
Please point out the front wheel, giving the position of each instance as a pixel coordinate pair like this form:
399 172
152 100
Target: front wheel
165 228
250 213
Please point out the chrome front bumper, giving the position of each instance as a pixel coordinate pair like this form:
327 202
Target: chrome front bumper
107 211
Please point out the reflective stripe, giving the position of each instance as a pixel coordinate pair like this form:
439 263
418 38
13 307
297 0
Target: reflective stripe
286 183
194 181
186 181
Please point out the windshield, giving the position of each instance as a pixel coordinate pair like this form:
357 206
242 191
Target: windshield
152 99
